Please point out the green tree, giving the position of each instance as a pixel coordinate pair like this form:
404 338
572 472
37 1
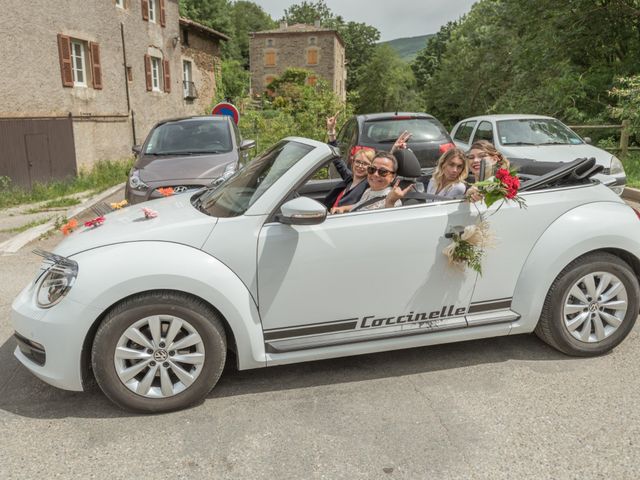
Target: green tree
308 12
247 17
296 108
215 14
387 84
234 81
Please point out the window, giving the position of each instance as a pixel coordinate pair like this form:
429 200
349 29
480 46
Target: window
270 58
269 42
188 86
484 132
313 40
463 134
120 3
185 37
79 62
152 11
312 56
155 74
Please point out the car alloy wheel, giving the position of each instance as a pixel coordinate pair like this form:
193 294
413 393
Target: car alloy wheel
591 306
595 307
159 356
159 351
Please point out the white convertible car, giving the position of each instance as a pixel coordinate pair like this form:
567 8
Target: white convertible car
152 306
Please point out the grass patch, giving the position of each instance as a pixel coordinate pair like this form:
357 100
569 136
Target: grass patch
26 226
632 169
53 204
102 176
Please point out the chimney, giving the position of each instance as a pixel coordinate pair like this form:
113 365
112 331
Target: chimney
317 23
283 24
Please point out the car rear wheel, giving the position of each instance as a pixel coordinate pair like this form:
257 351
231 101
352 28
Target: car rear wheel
159 351
591 306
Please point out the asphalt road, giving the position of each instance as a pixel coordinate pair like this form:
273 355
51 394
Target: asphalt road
509 408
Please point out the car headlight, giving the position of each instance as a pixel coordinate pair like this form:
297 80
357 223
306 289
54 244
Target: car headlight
616 166
135 182
55 282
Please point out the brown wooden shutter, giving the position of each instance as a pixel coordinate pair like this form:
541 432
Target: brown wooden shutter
96 66
167 76
162 19
145 10
64 50
147 71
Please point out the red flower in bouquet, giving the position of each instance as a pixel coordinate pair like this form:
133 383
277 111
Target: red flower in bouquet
504 186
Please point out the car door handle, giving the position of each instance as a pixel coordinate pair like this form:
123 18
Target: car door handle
456 229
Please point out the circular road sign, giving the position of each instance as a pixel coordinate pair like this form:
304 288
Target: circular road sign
226 109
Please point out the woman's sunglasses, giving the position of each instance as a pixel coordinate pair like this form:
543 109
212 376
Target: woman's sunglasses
383 172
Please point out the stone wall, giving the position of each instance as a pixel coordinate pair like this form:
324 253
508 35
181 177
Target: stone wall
291 51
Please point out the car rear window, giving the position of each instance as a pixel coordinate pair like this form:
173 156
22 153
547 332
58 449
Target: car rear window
421 129
190 137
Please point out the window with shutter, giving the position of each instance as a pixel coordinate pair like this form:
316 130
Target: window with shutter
145 10
270 58
147 71
96 67
167 76
64 50
312 56
162 13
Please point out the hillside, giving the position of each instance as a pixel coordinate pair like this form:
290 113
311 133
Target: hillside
408 47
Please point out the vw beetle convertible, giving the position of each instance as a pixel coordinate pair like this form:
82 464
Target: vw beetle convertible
151 307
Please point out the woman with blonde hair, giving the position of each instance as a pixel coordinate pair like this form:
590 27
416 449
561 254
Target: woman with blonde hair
448 177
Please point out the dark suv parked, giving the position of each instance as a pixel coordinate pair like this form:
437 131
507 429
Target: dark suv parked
429 139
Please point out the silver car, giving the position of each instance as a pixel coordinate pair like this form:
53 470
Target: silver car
184 154
538 138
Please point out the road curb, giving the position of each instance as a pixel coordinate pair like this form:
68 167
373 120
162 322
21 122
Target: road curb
632 194
16 243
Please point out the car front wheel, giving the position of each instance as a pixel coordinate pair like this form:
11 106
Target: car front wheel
159 351
591 306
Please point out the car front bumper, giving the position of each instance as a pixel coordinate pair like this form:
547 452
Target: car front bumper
60 331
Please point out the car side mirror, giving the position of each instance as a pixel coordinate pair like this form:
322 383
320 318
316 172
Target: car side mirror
588 140
247 144
136 149
302 211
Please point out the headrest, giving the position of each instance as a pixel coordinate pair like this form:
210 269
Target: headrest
408 164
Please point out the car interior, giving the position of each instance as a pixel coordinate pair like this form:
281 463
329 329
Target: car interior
534 175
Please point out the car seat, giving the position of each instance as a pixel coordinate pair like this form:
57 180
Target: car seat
409 173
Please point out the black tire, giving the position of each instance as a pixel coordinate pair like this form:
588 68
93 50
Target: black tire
193 317
552 328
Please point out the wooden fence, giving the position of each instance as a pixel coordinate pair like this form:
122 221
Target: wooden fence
624 128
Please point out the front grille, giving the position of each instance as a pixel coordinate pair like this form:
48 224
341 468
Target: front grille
32 350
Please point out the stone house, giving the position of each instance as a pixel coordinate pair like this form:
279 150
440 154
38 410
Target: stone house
320 50
89 78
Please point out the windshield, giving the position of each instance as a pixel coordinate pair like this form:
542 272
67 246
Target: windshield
536 131
189 137
387 131
236 195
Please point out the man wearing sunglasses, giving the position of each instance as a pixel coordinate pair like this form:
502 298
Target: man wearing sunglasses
380 176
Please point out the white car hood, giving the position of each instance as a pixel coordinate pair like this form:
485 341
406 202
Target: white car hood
558 153
177 221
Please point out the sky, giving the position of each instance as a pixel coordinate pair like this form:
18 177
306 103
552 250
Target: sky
394 19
